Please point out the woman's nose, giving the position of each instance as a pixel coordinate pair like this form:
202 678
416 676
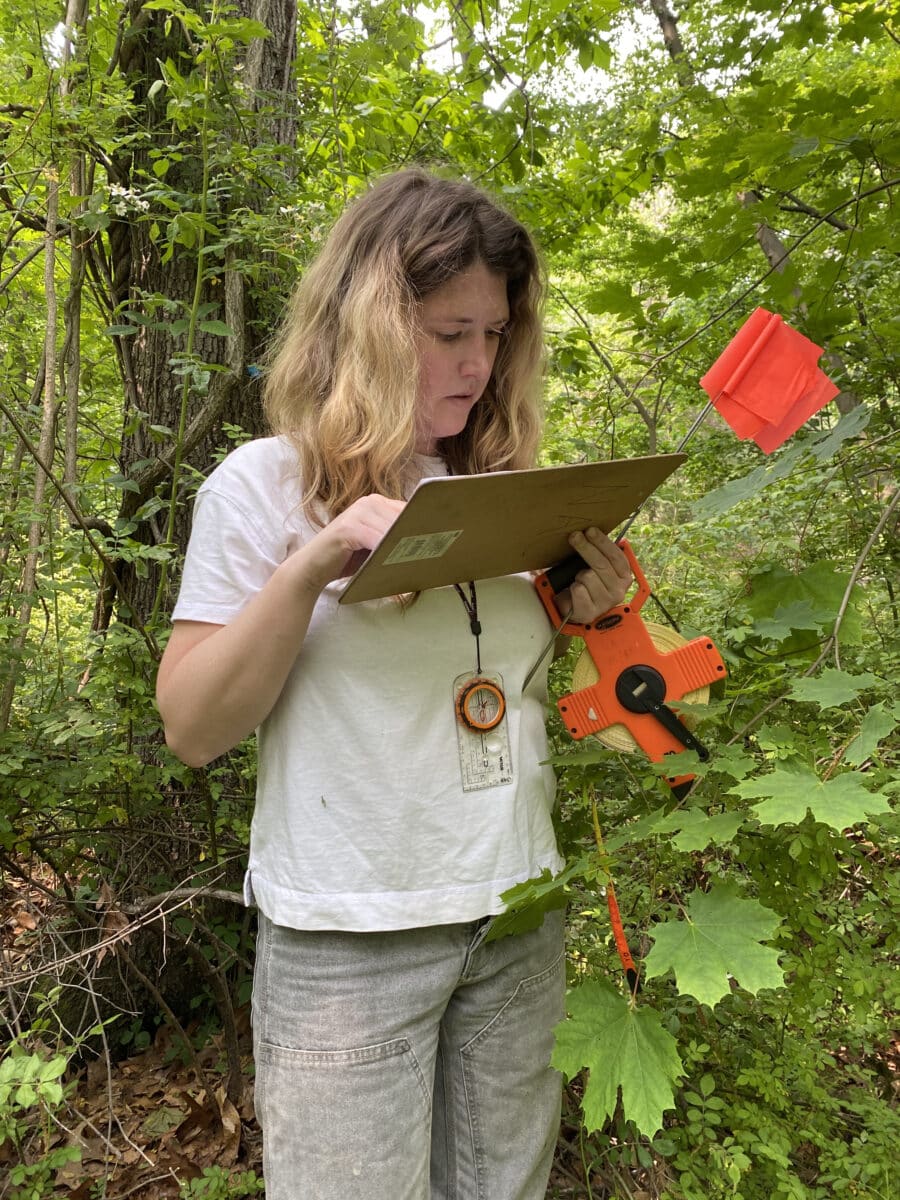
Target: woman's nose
479 360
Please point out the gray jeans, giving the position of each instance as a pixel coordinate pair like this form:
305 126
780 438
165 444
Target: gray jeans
407 1065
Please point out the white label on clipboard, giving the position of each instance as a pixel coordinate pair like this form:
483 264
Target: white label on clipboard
424 545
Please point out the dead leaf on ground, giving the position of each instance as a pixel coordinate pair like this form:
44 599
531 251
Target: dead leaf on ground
161 1121
114 923
22 920
231 1129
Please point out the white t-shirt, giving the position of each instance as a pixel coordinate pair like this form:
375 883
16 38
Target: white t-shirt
361 820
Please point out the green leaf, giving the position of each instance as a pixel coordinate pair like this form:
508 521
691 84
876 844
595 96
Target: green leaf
616 296
696 830
53 1067
878 722
821 586
588 752
718 938
623 1046
832 689
685 762
217 327
636 831
408 124
738 491
838 802
733 761
799 614
119 481
528 903
850 425
803 146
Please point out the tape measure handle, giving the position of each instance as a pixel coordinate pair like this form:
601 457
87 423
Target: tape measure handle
563 574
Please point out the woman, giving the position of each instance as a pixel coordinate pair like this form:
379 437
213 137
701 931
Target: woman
398 1055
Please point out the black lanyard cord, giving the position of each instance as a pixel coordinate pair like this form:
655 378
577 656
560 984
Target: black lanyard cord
471 607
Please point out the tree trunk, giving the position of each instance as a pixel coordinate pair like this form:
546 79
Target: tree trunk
672 40
161 287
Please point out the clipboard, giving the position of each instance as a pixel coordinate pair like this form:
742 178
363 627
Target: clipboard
461 527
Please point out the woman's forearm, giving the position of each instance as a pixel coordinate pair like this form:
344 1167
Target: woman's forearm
216 683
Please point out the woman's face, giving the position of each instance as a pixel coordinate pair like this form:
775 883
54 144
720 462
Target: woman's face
462 324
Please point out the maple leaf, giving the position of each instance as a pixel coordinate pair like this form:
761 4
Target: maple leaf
799 614
734 761
838 802
685 762
527 903
719 937
693 828
636 830
878 722
624 1047
696 830
833 689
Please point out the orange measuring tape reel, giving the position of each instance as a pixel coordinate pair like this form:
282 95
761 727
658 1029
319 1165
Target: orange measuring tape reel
628 670
629 674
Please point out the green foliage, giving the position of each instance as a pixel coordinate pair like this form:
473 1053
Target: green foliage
624 1046
652 172
838 802
216 1183
528 903
718 939
32 1094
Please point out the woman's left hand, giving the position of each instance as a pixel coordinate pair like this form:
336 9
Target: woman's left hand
603 585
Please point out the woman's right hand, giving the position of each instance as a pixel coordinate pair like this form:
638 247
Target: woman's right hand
344 543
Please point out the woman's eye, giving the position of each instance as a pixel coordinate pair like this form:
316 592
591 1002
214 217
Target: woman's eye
450 337
497 333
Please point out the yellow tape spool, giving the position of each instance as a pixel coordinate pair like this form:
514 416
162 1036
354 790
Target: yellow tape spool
618 737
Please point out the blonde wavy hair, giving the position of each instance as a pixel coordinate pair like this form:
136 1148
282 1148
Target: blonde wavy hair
343 375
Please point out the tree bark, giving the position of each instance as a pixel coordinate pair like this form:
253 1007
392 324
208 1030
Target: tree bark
144 281
672 40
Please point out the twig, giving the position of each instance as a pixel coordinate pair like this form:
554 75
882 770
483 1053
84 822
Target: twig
32 254
188 894
629 393
202 1077
199 893
858 565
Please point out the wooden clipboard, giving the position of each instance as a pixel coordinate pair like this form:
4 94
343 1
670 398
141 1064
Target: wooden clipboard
461 527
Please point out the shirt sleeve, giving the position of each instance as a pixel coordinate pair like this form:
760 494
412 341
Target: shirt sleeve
231 555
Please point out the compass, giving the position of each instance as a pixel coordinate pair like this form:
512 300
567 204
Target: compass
480 704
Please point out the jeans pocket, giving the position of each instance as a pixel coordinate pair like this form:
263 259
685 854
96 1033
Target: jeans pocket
343 1081
335 1121
539 1000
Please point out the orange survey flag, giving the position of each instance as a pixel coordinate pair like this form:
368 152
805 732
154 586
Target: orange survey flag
767 381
